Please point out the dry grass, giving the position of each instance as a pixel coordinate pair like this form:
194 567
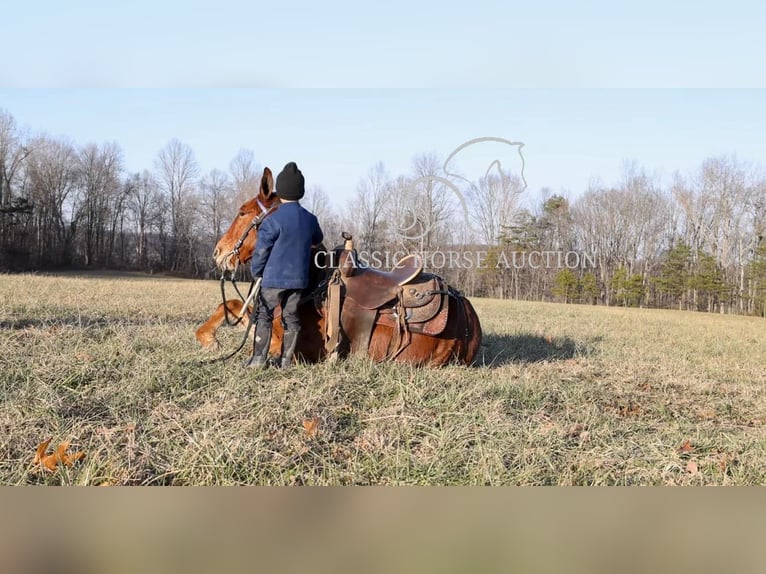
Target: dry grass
565 395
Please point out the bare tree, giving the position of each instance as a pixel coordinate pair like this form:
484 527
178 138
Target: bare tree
318 202
52 170
216 202
145 210
98 199
13 153
716 202
246 175
435 200
402 210
494 201
368 205
177 171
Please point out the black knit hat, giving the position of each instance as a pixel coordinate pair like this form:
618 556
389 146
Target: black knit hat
290 184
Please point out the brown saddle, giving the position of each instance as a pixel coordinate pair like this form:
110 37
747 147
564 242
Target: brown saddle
372 288
405 299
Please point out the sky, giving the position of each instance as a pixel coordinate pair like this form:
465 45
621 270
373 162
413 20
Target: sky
570 136
337 85
397 43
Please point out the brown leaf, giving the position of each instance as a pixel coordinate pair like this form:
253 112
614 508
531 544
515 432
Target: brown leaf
51 461
691 467
575 430
311 426
41 448
629 410
726 461
685 447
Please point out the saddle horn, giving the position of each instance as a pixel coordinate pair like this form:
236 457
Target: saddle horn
349 241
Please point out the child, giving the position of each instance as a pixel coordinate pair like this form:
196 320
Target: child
282 257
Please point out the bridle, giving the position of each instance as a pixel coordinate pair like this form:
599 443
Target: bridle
254 224
252 292
254 288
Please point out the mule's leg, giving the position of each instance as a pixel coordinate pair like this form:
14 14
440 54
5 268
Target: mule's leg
310 347
206 333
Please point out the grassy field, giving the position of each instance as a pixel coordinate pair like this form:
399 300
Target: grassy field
563 395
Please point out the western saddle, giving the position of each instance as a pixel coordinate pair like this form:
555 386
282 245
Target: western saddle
406 299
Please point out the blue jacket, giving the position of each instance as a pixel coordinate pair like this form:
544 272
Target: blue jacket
282 253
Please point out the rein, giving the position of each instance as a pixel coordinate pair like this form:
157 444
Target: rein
253 291
254 224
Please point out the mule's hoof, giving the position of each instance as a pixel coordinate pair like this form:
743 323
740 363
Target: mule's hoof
209 344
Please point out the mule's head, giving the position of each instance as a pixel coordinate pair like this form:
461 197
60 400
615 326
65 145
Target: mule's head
224 255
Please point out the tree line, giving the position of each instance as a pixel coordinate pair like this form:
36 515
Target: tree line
696 242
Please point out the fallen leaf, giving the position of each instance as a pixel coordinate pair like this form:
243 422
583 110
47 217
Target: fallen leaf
51 461
311 426
691 467
685 447
631 410
726 461
41 448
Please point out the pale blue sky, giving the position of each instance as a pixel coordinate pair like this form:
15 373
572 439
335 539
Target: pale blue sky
335 136
397 43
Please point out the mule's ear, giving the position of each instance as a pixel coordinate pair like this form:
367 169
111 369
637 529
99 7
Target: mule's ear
267 184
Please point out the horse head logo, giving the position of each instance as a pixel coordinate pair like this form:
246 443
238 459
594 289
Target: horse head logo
414 224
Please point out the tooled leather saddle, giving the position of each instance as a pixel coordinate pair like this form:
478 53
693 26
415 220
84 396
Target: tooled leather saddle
406 299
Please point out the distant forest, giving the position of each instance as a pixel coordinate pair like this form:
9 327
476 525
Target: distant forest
696 242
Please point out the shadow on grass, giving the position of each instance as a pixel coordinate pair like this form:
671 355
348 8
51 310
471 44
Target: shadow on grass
497 350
